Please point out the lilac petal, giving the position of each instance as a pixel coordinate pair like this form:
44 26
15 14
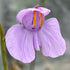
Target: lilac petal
51 40
36 43
22 13
19 43
45 11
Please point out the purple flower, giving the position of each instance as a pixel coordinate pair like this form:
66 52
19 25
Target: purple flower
34 32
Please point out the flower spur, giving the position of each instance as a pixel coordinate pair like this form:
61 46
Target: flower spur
34 32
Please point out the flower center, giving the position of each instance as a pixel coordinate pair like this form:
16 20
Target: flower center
34 19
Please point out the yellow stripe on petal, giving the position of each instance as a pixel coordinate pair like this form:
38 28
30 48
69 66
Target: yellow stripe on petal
34 18
41 16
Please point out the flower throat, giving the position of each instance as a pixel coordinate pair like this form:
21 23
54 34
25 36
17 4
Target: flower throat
34 19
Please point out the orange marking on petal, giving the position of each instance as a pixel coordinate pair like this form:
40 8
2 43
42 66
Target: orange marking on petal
34 18
41 16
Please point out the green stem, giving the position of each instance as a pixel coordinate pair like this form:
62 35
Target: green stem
3 48
42 2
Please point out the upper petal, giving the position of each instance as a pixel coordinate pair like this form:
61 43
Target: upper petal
24 12
51 40
45 11
19 43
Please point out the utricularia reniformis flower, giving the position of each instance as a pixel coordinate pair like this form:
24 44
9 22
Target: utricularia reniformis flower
34 32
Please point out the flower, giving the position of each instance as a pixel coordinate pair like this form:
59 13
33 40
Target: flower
33 32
